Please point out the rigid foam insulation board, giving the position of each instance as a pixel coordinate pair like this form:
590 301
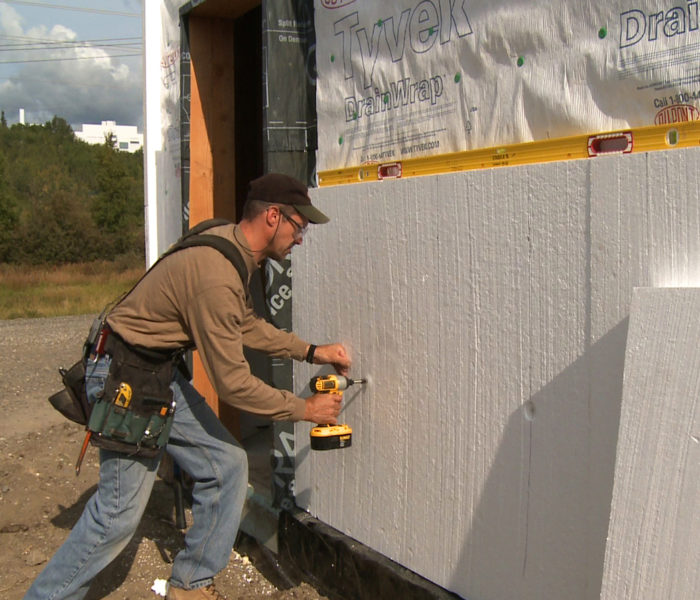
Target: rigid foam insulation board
489 310
653 550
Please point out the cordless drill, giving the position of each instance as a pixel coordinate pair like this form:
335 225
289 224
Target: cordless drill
330 437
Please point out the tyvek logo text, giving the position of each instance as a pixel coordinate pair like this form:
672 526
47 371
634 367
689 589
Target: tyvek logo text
417 30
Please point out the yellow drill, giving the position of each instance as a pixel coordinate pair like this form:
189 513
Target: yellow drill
330 437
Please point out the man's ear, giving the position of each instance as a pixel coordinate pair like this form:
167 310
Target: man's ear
272 216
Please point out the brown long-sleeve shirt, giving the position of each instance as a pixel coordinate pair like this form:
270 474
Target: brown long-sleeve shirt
195 296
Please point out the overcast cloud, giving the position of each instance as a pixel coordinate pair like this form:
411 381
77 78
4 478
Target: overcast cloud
94 86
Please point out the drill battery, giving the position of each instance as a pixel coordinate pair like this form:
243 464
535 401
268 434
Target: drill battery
331 437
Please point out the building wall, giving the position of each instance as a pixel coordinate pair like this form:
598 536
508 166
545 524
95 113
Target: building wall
127 136
489 310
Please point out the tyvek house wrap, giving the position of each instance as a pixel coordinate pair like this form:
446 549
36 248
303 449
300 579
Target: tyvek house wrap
404 79
489 310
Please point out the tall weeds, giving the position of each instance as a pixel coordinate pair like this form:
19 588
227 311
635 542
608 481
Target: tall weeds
52 291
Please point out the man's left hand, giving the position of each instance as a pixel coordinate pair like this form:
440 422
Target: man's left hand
333 354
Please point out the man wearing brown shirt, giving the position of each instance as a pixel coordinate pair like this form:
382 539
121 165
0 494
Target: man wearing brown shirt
195 297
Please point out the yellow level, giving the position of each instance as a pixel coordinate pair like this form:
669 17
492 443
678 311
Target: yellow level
655 137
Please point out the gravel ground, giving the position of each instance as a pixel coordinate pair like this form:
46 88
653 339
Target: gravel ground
41 498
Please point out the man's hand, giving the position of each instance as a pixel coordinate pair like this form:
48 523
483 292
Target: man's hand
333 354
323 408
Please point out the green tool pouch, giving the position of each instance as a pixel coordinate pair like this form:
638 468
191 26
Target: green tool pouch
136 410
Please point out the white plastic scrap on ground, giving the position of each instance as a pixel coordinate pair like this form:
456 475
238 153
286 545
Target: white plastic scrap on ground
160 587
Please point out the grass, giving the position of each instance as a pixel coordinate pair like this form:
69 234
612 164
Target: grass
54 291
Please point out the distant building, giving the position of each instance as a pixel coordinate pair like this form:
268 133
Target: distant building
127 136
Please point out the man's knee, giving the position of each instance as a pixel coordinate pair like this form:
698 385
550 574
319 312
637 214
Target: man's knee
235 464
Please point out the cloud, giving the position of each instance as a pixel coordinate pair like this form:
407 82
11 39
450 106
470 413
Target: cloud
10 20
93 86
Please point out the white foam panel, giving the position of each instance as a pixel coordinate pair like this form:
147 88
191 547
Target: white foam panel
489 310
653 550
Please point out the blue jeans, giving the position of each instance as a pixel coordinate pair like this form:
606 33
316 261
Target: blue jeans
201 446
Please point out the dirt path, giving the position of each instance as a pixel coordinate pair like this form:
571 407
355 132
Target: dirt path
41 498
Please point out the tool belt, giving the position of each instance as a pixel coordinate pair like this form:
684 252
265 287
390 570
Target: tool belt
135 410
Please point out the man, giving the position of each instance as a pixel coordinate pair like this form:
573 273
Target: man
195 296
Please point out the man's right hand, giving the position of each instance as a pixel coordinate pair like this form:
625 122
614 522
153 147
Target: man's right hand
323 408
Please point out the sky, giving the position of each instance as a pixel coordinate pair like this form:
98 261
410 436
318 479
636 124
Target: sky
81 60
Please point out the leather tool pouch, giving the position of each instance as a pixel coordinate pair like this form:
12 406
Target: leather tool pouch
72 401
135 413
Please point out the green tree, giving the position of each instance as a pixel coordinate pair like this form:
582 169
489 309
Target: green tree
9 214
110 140
63 200
118 206
53 227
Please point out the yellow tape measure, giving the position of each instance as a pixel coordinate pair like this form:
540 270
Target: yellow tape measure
644 139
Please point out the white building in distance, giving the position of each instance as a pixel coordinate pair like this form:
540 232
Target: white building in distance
127 136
